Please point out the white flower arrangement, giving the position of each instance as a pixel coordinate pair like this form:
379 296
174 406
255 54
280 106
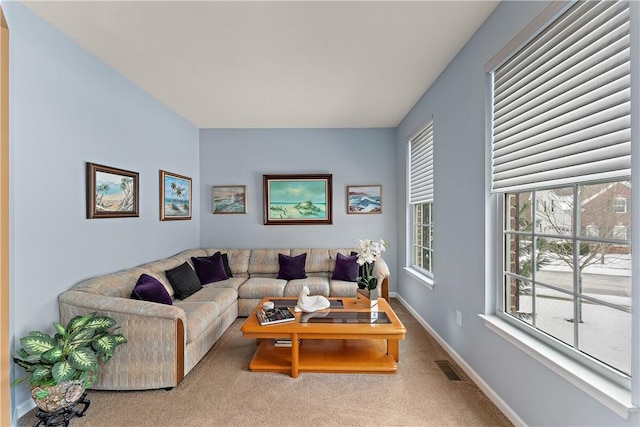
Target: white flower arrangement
368 252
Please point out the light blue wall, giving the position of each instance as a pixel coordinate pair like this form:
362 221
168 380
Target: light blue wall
457 102
352 156
68 108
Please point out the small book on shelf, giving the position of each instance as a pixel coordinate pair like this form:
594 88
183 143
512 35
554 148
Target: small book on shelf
284 342
275 316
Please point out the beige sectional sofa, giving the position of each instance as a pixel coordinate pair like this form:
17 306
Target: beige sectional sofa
166 341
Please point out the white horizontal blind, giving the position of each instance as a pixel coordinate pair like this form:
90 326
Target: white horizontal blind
421 159
562 103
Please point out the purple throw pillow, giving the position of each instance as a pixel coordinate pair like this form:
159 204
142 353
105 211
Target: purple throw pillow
292 267
346 268
210 269
150 289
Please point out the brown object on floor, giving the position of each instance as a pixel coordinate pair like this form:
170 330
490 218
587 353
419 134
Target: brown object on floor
221 391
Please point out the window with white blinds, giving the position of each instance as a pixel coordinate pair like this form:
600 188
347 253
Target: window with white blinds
421 169
561 104
561 170
421 202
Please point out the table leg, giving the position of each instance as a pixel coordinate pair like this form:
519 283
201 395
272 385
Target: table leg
393 349
295 356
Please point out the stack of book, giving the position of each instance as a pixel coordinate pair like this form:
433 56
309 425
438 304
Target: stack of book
284 342
275 316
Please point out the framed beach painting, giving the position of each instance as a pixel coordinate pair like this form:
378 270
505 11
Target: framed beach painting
364 199
297 199
175 196
111 192
229 199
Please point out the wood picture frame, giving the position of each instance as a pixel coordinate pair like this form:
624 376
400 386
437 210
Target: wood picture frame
364 199
229 199
297 199
175 197
112 192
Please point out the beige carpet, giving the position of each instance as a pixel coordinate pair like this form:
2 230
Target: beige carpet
220 391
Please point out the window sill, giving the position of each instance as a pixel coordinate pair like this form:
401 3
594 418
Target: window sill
424 280
612 395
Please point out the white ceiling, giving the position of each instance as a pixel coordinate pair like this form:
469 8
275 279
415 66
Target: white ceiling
271 64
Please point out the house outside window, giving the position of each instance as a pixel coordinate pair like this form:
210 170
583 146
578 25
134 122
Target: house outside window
620 205
561 162
421 201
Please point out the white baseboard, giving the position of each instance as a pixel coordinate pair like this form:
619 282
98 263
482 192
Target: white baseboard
491 394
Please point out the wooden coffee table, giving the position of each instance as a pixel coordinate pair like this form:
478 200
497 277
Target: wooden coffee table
350 344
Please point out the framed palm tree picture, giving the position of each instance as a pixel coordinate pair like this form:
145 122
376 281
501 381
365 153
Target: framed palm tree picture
175 196
111 192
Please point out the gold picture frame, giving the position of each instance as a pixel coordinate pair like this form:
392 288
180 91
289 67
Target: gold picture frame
175 197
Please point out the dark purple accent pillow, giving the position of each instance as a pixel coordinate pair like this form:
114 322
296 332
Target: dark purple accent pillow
292 267
346 268
210 269
184 280
150 289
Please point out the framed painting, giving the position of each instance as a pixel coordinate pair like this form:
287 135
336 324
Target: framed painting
297 199
111 192
364 199
175 196
229 199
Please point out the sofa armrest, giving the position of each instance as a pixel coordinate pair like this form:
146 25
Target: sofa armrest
382 273
153 356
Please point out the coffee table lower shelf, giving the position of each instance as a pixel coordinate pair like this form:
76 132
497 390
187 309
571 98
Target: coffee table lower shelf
329 356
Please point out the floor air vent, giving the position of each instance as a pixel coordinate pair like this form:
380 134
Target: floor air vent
448 370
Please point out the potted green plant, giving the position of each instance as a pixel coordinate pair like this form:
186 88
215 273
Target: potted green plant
60 368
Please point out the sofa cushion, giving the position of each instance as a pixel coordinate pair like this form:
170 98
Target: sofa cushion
340 288
292 267
237 259
119 284
225 297
318 260
209 269
231 282
317 286
260 287
158 268
184 280
148 288
265 261
346 268
200 315
187 254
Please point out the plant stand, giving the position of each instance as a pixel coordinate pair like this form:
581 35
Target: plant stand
62 416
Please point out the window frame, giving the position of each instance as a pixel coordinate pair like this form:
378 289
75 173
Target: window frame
424 276
554 343
414 229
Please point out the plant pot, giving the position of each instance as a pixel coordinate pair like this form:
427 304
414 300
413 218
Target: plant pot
368 297
59 396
